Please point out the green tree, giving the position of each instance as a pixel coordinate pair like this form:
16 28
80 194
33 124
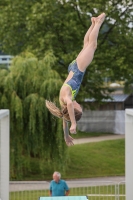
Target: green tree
34 131
39 26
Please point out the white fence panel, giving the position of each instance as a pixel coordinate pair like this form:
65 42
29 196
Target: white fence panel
129 153
4 154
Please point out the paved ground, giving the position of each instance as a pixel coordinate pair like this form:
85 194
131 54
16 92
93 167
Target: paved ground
41 185
98 139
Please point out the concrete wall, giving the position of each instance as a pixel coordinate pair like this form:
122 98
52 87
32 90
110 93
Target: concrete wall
112 121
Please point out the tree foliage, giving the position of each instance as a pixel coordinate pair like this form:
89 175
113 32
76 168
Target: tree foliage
39 26
34 131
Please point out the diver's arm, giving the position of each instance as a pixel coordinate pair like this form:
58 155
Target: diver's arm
70 109
67 137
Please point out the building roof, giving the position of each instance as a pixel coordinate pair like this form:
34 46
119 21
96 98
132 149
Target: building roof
114 98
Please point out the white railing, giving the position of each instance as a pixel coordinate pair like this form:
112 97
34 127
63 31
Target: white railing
129 153
95 190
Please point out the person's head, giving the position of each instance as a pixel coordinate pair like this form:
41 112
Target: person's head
56 176
77 110
63 113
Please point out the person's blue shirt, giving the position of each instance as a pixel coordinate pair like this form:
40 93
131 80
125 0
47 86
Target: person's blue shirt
58 189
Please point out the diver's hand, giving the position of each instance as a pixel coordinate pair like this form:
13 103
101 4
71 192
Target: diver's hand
69 140
73 128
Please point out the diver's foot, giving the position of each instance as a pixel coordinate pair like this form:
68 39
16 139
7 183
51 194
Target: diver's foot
100 19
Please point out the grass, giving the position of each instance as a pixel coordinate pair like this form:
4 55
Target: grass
100 159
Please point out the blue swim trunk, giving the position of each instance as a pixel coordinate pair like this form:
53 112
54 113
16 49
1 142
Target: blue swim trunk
75 82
